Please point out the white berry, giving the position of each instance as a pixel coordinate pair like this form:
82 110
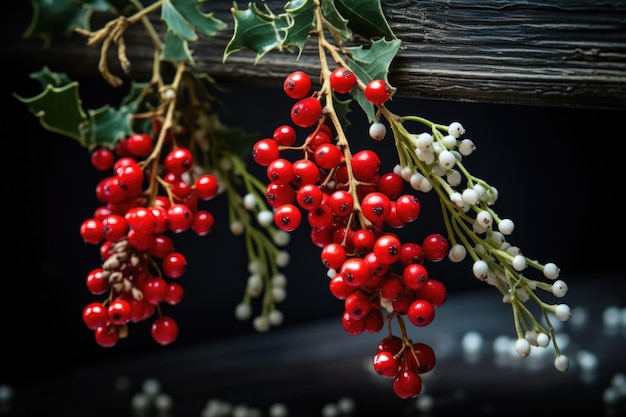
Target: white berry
563 312
456 129
377 131
551 271
561 363
559 288
522 347
480 269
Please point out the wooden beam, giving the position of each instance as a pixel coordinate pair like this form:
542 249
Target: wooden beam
563 53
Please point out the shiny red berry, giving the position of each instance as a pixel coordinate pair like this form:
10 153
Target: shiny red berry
164 330
378 91
297 85
342 80
435 247
306 112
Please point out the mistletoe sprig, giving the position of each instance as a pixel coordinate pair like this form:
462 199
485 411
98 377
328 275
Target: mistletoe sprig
430 158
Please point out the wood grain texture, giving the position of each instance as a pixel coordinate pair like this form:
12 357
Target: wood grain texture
564 53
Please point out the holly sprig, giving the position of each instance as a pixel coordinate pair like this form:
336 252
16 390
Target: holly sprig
184 109
430 159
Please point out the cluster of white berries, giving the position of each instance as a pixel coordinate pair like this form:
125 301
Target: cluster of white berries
434 161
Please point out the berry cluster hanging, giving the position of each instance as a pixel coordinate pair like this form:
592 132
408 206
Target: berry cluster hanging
169 155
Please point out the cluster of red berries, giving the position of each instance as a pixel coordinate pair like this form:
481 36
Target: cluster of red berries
350 205
144 202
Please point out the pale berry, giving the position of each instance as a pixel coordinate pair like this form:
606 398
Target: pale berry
377 131
456 129
561 363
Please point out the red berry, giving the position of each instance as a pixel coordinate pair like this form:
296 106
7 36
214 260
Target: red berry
309 196
106 336
305 172
102 159
280 171
154 290
435 247
174 293
95 315
139 144
339 288
306 112
141 220
92 231
391 344
421 359
96 284
174 264
265 151
352 326
387 248
297 85
358 305
356 271
421 313
408 207
333 256
341 203
376 207
206 187
284 135
407 384
327 155
287 217
386 364
415 276
365 165
180 217
202 223
178 161
378 91
164 330
342 80
119 311
434 291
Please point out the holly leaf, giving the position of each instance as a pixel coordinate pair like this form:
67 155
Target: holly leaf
342 108
371 64
106 127
53 19
337 25
191 11
46 77
262 32
176 49
59 110
183 18
365 18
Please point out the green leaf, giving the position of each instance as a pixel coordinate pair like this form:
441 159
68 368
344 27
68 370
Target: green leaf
204 22
176 23
59 110
370 64
46 77
176 49
257 31
262 32
365 18
107 126
53 19
302 12
337 25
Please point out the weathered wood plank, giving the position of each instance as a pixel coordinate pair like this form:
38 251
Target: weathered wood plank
566 53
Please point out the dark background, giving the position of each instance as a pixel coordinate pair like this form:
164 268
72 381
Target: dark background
559 173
